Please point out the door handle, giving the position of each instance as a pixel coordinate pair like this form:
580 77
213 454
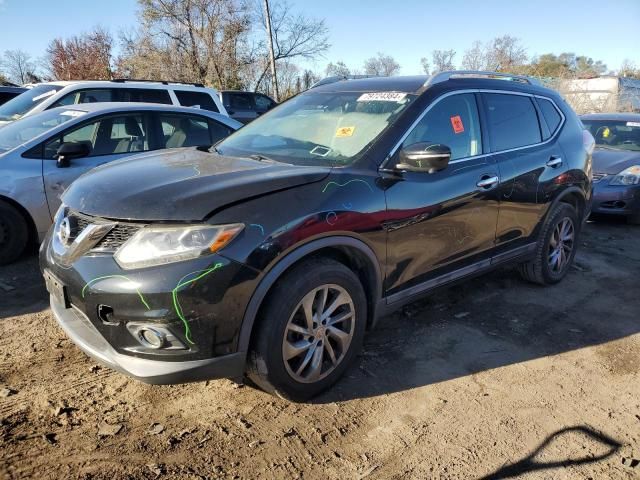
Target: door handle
554 162
488 182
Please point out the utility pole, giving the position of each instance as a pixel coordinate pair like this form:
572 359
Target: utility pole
272 58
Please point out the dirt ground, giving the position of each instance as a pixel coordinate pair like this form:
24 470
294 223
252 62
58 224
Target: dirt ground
494 378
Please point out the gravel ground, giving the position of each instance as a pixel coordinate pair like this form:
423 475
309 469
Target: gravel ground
494 378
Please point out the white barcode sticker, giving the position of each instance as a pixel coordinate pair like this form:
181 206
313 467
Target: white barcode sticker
382 97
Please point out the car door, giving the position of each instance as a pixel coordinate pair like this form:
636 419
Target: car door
527 161
240 106
444 221
109 137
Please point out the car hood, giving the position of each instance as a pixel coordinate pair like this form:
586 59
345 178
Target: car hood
613 162
180 185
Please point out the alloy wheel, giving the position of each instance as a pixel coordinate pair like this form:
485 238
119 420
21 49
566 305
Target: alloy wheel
561 245
318 333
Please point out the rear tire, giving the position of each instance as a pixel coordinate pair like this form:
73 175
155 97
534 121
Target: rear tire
556 247
14 234
302 346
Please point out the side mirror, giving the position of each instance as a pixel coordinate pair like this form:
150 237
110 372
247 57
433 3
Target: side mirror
70 151
424 157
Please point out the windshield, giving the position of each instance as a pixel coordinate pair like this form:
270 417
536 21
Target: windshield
616 134
23 130
18 106
318 128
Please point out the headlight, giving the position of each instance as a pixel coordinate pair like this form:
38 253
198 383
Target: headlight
629 176
159 245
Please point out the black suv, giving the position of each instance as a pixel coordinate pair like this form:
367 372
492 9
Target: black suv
246 106
270 254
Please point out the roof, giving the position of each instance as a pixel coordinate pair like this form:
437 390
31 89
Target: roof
127 84
408 84
417 84
624 117
118 107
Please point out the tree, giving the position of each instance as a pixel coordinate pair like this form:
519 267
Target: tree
506 53
338 69
382 65
424 62
586 67
294 36
629 69
83 57
18 66
501 54
442 60
475 58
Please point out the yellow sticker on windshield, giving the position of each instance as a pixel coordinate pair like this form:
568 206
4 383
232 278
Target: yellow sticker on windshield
345 131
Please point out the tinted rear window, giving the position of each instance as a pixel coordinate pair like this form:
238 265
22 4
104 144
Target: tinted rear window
196 99
143 95
550 114
513 121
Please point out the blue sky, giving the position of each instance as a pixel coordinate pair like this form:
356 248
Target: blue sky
405 29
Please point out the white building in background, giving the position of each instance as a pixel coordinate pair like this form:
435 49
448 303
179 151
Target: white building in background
603 94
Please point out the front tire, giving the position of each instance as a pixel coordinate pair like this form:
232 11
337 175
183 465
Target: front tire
310 330
556 247
14 234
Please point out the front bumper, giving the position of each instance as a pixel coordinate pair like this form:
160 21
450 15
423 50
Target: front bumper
614 199
82 332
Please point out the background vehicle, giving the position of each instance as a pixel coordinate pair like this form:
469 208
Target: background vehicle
246 106
8 92
42 154
57 94
607 93
344 203
616 163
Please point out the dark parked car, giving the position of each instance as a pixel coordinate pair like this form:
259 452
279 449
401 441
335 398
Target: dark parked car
246 106
272 254
616 163
9 92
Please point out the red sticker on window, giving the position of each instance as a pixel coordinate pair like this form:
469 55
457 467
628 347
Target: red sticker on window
456 123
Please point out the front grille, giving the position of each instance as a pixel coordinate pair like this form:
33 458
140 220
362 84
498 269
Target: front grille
112 240
117 236
598 176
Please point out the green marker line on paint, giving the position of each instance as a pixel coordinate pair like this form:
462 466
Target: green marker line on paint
91 282
176 301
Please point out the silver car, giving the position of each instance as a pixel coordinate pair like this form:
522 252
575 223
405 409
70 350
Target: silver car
40 155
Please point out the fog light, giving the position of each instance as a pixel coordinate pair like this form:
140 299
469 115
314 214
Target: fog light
151 338
154 337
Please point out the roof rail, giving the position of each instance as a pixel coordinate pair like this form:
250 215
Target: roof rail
338 78
444 76
163 82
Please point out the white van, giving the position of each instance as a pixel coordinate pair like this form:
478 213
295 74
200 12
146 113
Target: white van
56 94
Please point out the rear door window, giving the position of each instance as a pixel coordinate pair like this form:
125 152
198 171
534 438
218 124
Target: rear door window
196 99
145 95
181 130
512 121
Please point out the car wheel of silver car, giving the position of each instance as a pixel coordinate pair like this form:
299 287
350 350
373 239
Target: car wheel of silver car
556 247
309 331
14 233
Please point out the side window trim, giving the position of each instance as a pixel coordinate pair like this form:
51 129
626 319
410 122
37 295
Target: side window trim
395 148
